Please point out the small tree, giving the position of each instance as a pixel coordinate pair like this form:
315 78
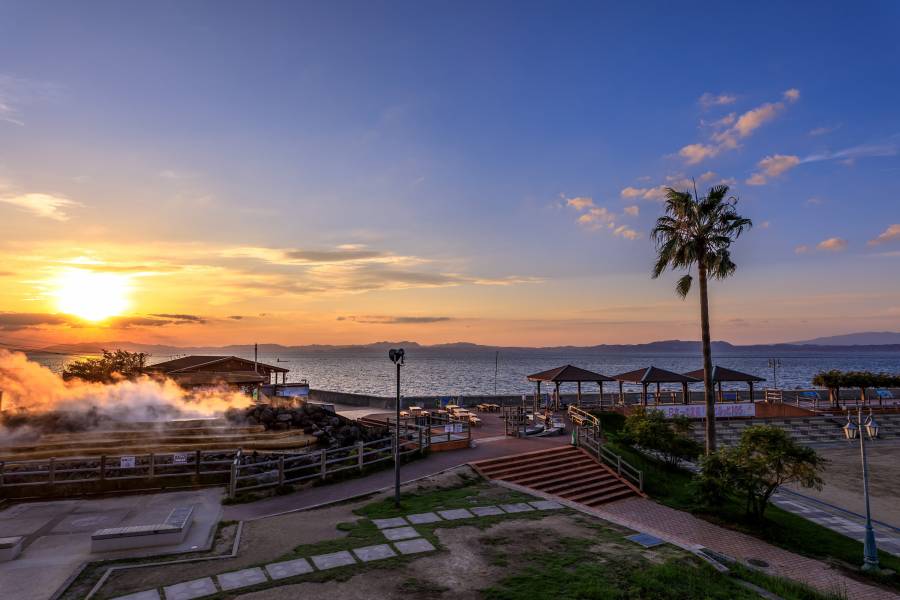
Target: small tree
765 459
110 367
652 431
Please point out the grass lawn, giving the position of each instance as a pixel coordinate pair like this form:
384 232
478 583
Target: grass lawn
672 487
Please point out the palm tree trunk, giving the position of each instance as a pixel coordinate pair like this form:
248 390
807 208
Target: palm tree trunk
708 392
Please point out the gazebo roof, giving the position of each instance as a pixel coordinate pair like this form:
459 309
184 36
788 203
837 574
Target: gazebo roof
723 374
653 374
568 373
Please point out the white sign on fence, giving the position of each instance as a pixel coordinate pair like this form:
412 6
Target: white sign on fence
126 462
180 459
698 411
448 428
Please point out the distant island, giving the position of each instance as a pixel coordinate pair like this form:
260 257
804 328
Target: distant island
854 342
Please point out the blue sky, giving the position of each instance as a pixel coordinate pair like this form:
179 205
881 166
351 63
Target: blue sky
468 163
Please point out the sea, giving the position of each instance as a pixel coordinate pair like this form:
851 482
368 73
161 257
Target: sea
428 372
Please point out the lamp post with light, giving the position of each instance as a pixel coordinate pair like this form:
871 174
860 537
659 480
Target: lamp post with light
396 356
853 430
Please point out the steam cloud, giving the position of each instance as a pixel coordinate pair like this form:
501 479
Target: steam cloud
32 390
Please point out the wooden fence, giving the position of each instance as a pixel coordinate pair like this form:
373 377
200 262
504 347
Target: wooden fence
249 474
106 472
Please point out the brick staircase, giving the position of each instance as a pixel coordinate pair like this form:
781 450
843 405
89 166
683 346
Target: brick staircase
563 471
805 430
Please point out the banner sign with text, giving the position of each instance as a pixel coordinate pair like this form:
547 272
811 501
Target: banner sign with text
698 411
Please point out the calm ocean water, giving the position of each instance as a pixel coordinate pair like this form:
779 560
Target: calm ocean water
461 373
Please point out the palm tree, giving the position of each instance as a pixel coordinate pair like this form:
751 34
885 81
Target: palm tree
699 232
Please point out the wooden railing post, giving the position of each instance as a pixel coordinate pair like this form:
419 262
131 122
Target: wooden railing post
361 454
197 458
232 485
619 464
281 470
324 463
52 470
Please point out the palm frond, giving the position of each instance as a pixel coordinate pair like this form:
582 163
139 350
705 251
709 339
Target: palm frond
683 287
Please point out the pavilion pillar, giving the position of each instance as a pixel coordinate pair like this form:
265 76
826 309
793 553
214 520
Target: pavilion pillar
557 396
621 393
644 394
579 394
600 385
719 385
537 398
751 390
685 399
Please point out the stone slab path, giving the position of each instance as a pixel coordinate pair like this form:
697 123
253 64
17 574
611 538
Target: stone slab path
403 537
686 530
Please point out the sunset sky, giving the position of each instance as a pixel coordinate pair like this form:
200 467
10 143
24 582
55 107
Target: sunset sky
346 172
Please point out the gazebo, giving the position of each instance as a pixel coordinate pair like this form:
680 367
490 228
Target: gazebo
721 374
655 375
568 374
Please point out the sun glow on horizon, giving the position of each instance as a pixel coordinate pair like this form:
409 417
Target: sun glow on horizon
91 296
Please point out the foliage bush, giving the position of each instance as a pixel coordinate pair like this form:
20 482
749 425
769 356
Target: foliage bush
110 367
670 438
765 459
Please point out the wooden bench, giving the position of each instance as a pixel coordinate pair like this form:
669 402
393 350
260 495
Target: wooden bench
171 532
10 547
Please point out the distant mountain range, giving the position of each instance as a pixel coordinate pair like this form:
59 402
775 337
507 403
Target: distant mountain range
855 342
866 338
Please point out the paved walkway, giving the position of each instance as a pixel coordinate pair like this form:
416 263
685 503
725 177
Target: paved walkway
838 519
686 530
434 463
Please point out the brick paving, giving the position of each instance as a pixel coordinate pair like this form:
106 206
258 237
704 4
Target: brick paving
683 529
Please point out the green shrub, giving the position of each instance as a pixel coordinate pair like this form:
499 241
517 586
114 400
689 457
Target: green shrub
668 437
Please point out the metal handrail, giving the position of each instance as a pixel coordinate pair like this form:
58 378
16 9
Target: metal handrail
579 416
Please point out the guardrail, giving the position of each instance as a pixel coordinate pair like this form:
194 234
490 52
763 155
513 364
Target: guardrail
249 474
581 417
588 438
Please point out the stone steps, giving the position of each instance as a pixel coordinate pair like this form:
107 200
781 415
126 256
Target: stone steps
565 471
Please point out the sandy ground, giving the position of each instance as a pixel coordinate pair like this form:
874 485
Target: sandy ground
843 479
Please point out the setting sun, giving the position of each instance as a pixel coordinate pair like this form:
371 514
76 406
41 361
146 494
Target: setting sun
91 296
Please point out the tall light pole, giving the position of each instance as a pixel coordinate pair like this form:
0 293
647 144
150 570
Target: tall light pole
775 363
396 356
852 430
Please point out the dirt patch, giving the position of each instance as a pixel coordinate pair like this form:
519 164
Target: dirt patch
261 541
471 560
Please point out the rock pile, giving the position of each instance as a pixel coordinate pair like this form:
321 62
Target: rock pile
328 429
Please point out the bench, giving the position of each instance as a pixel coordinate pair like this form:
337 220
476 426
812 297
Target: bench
171 532
10 547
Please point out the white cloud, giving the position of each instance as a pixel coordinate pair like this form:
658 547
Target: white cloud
833 244
709 100
813 201
42 205
580 203
823 130
596 218
773 166
633 210
743 126
707 176
802 249
854 152
626 232
695 153
653 193
765 225
891 234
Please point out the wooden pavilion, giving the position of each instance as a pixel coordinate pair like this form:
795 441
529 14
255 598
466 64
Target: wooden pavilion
721 374
650 375
568 374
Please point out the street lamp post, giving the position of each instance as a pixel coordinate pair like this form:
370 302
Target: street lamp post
852 430
396 356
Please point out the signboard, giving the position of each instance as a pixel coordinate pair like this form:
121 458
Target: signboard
698 411
448 428
180 459
126 462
